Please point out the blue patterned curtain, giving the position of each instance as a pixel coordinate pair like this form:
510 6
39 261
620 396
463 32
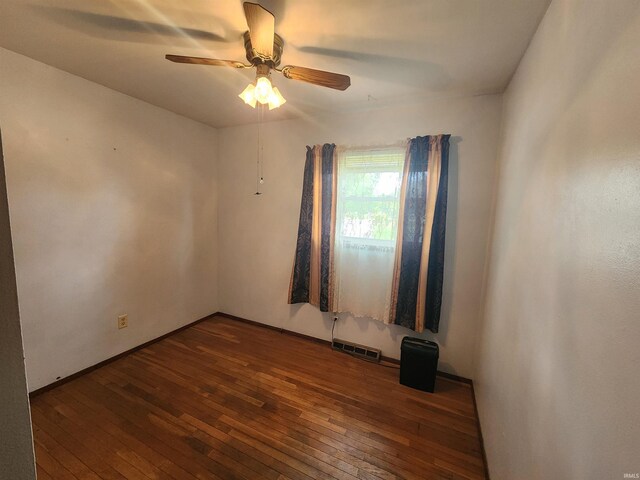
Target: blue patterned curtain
419 267
311 278
299 287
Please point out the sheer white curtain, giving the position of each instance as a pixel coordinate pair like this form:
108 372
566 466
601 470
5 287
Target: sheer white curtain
367 204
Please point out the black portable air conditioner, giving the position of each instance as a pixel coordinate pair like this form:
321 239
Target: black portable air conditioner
418 363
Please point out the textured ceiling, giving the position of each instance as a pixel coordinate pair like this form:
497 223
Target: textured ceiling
394 51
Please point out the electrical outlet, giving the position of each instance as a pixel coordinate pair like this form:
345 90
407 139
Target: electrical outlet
123 321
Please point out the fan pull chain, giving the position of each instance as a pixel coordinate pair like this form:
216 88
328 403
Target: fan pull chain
260 159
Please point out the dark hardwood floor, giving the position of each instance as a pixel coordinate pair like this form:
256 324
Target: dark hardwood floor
229 400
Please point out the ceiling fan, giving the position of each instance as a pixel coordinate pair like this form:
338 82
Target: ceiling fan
264 51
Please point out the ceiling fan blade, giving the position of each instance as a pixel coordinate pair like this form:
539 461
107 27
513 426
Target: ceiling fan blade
206 61
317 77
262 26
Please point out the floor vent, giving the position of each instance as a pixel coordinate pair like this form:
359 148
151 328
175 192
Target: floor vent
367 353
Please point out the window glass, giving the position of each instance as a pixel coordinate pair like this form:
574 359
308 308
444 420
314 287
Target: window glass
368 194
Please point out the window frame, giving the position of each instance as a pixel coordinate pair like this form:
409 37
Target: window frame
398 152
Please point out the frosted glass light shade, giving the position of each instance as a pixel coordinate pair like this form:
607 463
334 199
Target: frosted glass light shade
248 96
262 92
276 99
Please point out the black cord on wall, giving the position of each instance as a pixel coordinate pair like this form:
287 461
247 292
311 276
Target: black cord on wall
335 320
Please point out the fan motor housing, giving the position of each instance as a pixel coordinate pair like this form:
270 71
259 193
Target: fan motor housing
256 59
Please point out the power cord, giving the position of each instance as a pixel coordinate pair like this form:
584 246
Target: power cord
335 320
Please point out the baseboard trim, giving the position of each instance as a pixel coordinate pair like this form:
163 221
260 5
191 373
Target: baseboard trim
84 371
294 334
482 449
68 378
395 361
392 360
455 378
449 376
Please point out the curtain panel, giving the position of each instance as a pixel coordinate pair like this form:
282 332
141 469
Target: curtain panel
416 296
418 260
312 276
366 227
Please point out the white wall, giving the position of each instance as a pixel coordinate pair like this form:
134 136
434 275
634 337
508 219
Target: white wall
113 210
16 446
258 233
558 385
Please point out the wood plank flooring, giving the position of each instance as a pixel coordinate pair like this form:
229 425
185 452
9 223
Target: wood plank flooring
228 400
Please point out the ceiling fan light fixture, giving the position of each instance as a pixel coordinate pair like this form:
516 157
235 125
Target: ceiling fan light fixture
276 99
248 95
262 92
264 50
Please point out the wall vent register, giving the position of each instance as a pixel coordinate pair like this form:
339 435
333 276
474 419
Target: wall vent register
367 353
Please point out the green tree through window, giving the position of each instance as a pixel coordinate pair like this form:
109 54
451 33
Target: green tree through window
368 191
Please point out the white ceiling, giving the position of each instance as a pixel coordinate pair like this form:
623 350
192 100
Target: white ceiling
394 50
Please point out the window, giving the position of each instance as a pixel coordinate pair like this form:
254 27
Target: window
353 255
367 205
368 191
